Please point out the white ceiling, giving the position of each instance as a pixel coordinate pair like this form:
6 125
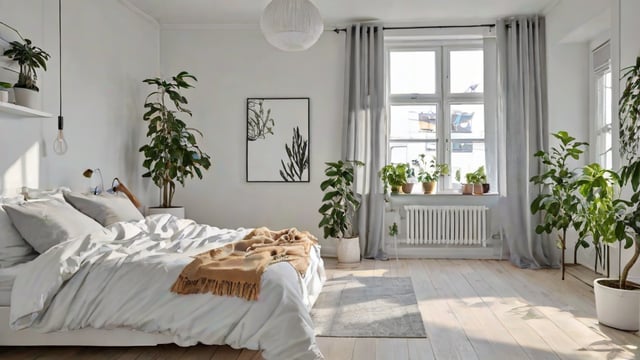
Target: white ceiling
247 12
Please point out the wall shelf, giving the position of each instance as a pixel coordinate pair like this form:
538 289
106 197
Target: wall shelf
22 111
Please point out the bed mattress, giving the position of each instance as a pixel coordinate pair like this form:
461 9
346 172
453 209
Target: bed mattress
7 276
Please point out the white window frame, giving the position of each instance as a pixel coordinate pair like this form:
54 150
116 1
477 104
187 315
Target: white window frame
442 97
599 129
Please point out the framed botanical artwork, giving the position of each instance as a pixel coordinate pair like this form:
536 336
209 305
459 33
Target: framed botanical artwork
278 140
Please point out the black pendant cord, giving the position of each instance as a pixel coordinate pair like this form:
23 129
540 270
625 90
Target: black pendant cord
60 117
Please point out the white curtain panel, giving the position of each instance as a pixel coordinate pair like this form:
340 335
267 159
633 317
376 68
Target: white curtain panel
364 130
523 119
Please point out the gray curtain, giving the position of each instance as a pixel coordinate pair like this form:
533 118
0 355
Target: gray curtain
523 118
364 129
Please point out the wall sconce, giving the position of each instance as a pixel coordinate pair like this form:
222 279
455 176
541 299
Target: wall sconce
89 174
116 186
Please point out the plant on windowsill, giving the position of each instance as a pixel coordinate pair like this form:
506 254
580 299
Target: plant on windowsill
617 300
407 187
558 202
172 154
29 58
429 173
4 91
339 206
393 176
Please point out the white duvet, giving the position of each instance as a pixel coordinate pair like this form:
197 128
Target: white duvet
122 279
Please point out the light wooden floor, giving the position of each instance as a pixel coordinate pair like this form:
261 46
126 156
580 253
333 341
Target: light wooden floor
471 310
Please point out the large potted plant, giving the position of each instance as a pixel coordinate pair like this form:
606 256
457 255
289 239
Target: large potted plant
338 209
429 173
394 177
618 300
558 200
30 58
172 154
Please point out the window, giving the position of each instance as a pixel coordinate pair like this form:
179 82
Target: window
437 105
602 144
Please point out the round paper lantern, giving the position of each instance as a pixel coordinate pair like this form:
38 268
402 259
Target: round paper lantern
291 25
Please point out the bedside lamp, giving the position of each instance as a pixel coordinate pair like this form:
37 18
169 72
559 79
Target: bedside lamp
89 174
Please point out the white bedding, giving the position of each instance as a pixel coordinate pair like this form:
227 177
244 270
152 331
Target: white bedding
7 276
122 279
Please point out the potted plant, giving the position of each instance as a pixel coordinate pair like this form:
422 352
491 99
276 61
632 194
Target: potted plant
4 91
618 300
339 206
172 153
30 58
428 174
393 176
407 187
558 201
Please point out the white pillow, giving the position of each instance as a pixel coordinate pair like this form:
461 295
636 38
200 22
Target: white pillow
33 194
104 208
46 223
13 249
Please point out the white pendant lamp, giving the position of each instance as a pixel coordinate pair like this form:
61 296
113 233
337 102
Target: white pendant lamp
291 25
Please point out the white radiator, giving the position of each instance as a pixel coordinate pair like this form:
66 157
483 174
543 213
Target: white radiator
446 225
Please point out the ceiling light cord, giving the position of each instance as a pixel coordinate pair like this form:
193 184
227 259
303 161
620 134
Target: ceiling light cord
60 145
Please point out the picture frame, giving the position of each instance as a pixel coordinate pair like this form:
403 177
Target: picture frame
277 141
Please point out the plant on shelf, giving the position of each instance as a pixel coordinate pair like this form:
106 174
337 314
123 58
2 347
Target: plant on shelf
430 172
393 176
558 202
4 91
29 58
172 153
339 206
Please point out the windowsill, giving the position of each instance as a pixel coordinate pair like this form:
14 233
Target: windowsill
443 194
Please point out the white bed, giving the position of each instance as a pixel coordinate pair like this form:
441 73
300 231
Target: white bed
112 289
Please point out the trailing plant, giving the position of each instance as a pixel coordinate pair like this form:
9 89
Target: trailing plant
5 85
298 158
431 171
29 57
393 229
340 202
558 201
260 123
393 176
172 153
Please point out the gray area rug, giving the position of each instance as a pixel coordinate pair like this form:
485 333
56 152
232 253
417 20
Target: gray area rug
354 306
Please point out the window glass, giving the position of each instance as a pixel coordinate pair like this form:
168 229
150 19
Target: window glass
467 71
412 72
467 121
408 152
413 122
466 157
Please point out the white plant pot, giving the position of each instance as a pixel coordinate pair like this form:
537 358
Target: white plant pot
177 211
348 250
4 96
27 98
617 308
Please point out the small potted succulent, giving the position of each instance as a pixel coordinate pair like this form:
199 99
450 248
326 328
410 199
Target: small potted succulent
429 173
30 58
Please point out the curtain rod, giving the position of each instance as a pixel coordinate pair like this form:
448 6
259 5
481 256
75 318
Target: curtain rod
338 30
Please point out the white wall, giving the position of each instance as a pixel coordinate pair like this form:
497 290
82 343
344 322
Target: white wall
571 25
107 50
231 66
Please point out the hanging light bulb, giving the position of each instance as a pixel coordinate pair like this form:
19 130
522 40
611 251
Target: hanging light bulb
60 144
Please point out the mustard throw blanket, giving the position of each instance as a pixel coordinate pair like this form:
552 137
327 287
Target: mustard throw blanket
235 269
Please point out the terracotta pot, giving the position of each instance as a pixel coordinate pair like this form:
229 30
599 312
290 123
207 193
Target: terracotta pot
485 188
429 187
407 188
477 189
467 189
